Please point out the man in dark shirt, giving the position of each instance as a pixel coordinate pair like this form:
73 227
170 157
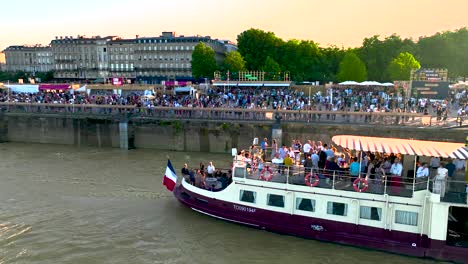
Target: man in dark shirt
187 172
450 168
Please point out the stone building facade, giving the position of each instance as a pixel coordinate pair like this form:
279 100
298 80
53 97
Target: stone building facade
81 58
142 59
31 59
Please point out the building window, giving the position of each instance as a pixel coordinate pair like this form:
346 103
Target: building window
370 213
406 218
304 204
337 208
275 200
247 196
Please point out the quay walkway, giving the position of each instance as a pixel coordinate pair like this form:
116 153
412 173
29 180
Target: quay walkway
130 112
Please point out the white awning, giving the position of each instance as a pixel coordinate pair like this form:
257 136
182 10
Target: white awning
403 146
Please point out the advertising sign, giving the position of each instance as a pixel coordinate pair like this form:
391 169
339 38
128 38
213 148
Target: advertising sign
430 90
117 81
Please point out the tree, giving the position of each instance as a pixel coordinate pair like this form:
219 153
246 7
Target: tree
377 54
400 67
256 45
234 62
352 68
203 61
271 66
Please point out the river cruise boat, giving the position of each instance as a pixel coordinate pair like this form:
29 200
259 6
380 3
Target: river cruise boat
417 216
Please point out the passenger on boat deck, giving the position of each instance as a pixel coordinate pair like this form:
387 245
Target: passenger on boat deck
331 166
308 165
354 169
190 174
202 169
306 148
341 160
283 152
396 171
422 171
435 162
291 153
288 162
328 151
440 180
274 149
315 160
451 168
210 169
240 157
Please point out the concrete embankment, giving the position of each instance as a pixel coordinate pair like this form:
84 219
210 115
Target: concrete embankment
195 135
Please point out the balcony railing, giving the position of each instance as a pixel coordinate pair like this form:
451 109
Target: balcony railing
217 114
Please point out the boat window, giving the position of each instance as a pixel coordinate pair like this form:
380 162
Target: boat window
247 196
305 204
337 208
275 200
406 218
239 172
371 213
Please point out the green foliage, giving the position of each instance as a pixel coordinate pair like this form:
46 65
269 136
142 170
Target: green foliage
446 50
377 54
7 76
271 66
400 67
256 45
203 61
352 68
234 62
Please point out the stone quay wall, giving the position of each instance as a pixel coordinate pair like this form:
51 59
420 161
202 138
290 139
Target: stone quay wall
191 135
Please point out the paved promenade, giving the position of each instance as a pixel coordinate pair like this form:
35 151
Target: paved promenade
229 114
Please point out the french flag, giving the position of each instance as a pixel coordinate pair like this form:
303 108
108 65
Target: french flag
170 177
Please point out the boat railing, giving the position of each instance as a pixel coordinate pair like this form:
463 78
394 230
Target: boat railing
339 179
454 191
451 191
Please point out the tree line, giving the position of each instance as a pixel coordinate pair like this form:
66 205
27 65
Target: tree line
383 60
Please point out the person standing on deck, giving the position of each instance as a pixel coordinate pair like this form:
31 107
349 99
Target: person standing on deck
395 179
210 169
264 146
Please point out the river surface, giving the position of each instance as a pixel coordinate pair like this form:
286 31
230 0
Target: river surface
63 204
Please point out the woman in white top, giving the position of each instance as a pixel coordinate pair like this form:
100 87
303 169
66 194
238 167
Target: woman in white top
440 180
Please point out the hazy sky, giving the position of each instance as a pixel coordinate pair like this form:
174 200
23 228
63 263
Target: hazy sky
338 22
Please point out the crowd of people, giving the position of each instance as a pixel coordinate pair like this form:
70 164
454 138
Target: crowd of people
325 160
356 100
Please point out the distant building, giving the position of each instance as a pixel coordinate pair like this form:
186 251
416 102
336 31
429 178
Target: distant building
81 57
31 59
142 59
230 46
169 57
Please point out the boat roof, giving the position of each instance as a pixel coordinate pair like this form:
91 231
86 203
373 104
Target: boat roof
403 146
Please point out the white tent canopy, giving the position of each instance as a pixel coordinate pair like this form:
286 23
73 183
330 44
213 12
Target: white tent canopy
370 83
348 83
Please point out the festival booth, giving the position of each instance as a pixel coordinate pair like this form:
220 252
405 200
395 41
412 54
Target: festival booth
22 88
54 88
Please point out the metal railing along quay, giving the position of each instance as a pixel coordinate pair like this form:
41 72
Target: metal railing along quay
217 114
